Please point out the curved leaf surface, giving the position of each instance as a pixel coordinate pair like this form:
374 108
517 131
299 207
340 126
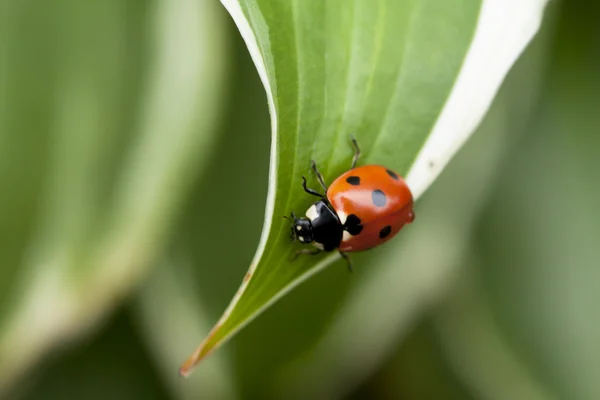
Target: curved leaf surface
410 79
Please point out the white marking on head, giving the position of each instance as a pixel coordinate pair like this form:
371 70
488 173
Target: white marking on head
346 236
318 245
342 216
312 213
301 238
298 228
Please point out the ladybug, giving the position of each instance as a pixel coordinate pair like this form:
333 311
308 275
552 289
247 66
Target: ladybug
363 208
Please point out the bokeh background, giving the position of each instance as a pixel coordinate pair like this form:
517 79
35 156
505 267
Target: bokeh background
134 146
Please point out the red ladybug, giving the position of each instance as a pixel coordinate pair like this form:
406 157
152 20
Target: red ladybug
363 208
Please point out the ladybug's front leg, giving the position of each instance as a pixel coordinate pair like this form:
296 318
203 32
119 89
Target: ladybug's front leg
348 260
309 190
310 252
319 176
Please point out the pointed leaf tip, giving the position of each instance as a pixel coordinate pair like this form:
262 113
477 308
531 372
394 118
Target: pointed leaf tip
198 355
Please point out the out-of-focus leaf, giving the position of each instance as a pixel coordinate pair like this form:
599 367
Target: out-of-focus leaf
210 249
417 370
113 364
478 353
106 117
410 79
539 244
172 318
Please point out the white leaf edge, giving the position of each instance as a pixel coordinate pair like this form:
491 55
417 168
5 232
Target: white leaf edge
493 51
504 29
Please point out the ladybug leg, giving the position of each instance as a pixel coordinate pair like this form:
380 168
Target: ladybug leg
356 151
309 190
348 260
310 252
319 176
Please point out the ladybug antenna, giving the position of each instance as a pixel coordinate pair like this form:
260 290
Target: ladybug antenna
292 231
292 218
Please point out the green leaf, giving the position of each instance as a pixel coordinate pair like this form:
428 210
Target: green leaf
109 112
385 303
388 300
410 79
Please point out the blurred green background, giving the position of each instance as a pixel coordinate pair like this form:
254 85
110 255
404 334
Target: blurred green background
134 146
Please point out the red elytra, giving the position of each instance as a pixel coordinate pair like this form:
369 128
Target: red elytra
379 197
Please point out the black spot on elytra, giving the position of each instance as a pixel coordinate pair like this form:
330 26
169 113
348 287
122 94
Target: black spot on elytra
392 174
379 198
353 225
353 180
385 232
352 219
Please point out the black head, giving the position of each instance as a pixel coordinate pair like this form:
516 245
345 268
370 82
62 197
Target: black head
301 229
321 227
